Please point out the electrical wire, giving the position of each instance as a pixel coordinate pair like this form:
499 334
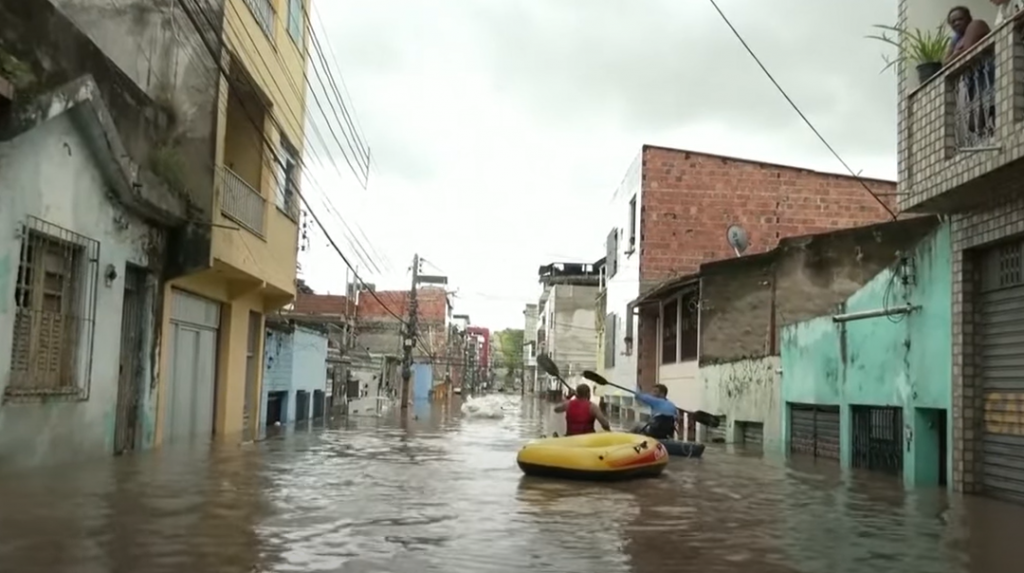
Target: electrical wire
799 112
191 16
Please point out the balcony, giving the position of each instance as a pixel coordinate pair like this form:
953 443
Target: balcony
243 204
263 11
962 134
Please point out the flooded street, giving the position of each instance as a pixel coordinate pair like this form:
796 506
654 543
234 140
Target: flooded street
444 495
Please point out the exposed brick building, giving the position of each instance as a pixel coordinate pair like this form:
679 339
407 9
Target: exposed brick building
674 208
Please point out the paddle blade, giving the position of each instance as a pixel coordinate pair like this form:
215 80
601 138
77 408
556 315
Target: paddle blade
548 365
595 377
705 418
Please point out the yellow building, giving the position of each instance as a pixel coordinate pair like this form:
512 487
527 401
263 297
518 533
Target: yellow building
213 326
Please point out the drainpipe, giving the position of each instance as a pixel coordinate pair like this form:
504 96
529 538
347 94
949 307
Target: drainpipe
849 317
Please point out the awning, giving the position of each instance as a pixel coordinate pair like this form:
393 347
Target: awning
667 288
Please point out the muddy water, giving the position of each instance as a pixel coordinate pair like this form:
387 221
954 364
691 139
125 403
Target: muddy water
444 495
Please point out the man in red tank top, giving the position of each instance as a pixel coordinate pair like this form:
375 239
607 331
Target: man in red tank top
581 413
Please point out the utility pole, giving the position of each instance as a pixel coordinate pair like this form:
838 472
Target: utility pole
409 340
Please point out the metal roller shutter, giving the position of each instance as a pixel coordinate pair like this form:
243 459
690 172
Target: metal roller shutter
814 430
1000 357
716 435
752 434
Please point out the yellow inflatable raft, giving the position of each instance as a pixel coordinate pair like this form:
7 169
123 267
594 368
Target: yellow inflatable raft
601 456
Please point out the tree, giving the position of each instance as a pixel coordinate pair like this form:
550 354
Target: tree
510 342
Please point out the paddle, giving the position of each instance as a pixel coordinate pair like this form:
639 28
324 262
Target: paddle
548 365
701 416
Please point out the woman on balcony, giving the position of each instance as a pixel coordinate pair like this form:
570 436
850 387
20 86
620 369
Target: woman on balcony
975 97
1006 10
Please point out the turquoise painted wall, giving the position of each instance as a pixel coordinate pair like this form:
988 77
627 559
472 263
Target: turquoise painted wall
884 361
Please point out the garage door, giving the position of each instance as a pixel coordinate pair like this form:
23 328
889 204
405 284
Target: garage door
716 435
193 365
1001 358
814 430
752 434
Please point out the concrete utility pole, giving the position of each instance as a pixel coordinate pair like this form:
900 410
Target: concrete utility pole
409 340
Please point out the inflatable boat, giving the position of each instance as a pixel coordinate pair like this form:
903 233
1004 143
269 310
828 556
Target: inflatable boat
601 456
683 449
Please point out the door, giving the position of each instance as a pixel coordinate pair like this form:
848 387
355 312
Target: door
814 430
319 399
130 380
752 434
193 368
1000 359
253 364
877 439
301 406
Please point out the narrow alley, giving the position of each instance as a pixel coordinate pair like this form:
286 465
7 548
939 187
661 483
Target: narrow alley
444 495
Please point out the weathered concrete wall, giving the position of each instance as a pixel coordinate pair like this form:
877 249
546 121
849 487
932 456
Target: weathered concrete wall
745 391
903 362
51 172
571 328
157 78
736 312
683 382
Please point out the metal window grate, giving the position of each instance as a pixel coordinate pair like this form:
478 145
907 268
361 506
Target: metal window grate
974 96
1003 266
878 439
55 313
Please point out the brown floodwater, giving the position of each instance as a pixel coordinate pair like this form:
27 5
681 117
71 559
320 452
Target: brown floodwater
443 494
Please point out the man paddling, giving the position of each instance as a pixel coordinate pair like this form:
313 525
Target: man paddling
662 425
581 413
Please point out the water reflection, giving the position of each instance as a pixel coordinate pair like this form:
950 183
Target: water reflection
442 493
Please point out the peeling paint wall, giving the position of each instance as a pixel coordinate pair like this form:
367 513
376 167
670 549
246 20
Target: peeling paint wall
885 361
51 173
745 391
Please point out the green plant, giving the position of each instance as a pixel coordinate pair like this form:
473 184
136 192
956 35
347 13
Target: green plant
167 163
913 44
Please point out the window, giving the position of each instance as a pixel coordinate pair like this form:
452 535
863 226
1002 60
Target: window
287 196
54 312
689 327
632 225
295 21
669 331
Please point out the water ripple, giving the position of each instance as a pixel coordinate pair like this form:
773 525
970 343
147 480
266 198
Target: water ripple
442 494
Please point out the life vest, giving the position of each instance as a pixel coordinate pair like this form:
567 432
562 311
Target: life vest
578 419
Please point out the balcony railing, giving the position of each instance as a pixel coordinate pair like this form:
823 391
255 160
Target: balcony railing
964 123
243 204
263 11
974 102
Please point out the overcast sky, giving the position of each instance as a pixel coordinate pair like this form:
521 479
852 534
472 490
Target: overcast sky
500 129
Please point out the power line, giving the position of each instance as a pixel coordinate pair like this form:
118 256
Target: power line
358 247
799 112
196 25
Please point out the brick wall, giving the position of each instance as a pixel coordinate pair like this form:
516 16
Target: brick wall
432 303
690 199
322 304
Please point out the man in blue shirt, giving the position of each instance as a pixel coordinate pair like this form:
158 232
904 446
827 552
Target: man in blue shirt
662 425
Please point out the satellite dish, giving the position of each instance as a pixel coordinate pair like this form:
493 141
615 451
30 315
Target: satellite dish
738 239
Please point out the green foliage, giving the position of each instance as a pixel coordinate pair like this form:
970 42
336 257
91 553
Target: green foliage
511 343
167 163
18 72
913 45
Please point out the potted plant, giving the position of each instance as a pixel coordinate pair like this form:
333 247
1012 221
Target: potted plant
923 48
